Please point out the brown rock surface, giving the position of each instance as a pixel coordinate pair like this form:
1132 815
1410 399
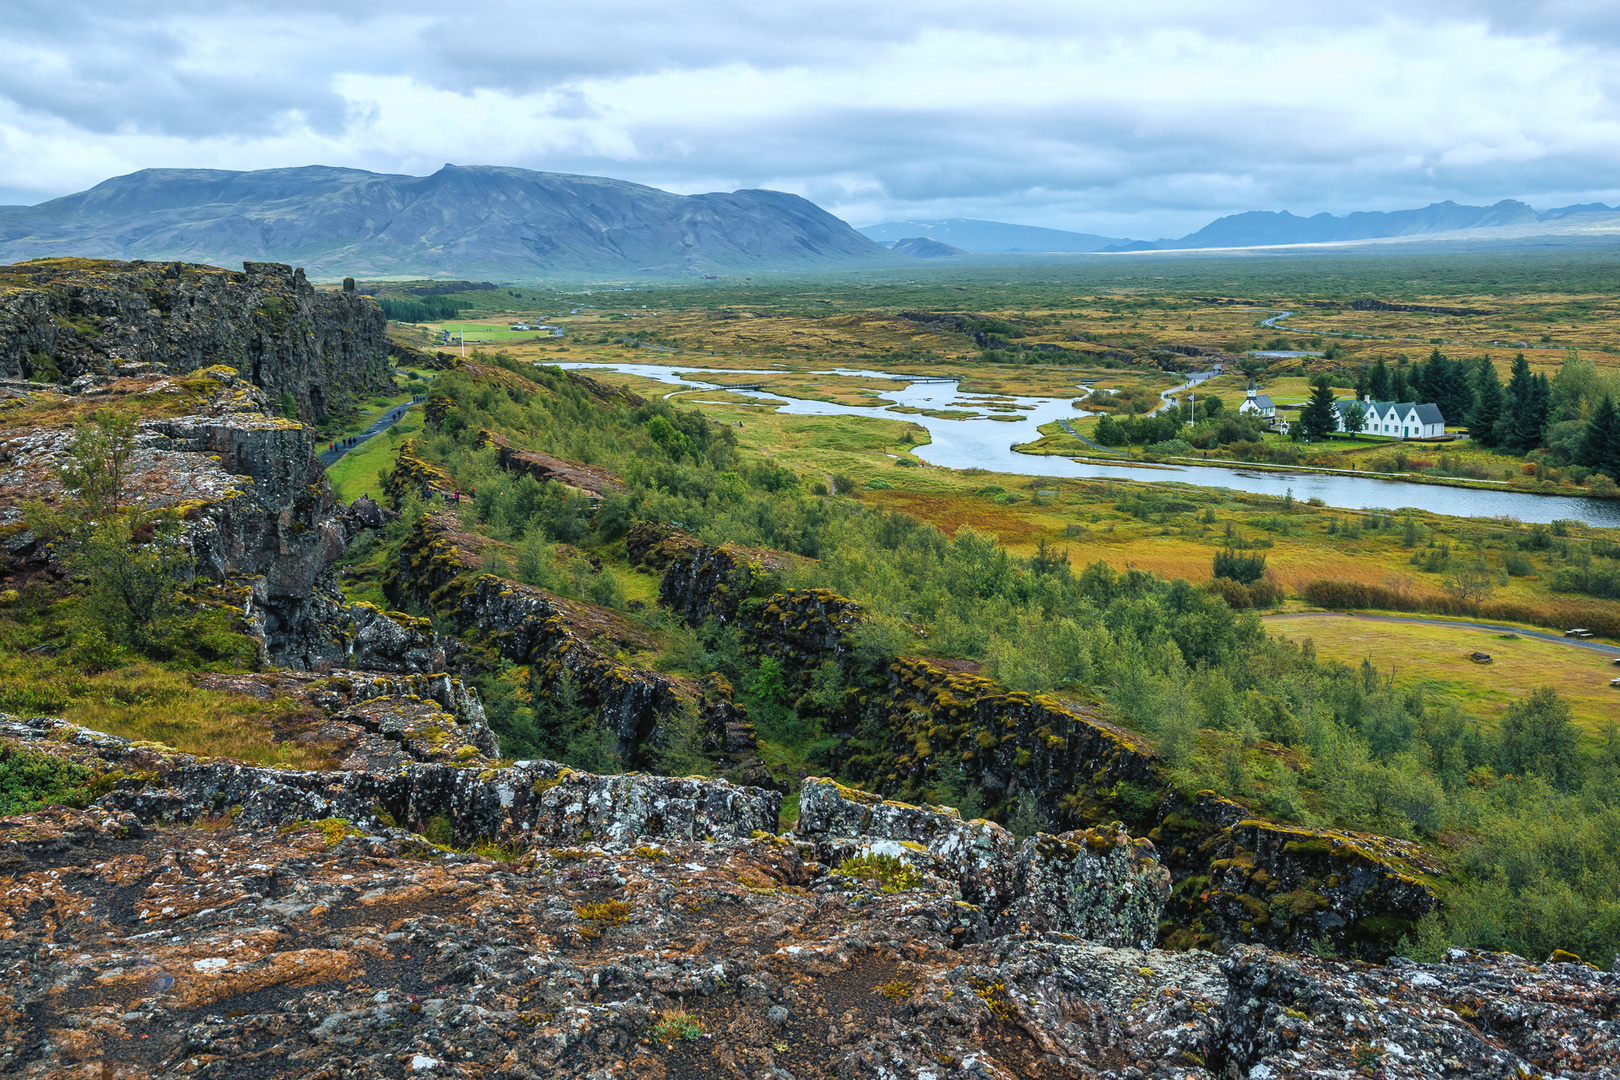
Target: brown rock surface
296 952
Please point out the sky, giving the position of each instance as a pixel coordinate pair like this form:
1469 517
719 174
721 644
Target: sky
1143 120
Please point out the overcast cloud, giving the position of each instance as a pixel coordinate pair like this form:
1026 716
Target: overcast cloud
1139 120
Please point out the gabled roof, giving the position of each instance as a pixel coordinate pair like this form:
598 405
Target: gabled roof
1430 414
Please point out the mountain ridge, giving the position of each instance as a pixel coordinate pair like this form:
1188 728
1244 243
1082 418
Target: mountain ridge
1253 228
465 221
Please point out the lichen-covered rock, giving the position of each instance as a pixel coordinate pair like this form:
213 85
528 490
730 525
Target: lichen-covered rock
592 480
421 730
802 629
62 318
341 948
1098 883
412 475
548 633
980 857
537 802
259 518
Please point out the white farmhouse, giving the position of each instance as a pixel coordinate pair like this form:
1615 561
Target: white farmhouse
1258 405
1396 420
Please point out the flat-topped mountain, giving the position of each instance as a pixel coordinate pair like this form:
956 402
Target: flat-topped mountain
478 221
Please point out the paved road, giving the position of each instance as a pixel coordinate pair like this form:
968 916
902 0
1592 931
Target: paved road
1556 639
381 424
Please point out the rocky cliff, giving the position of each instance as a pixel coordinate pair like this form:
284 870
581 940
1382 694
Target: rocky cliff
61 319
613 937
919 723
439 568
260 518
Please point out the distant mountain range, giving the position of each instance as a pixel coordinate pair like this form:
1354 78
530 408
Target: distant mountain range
1257 228
463 221
513 224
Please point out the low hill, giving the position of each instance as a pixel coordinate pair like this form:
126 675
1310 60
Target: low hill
991 237
924 247
464 221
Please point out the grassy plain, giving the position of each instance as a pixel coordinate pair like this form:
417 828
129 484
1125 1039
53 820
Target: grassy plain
1438 657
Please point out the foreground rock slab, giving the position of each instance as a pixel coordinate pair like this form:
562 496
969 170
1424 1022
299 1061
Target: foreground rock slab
132 951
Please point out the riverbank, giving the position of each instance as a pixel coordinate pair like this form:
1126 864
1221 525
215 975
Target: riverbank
977 444
1054 449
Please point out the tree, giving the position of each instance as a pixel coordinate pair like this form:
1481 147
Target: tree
1600 447
1489 400
98 461
1524 414
1537 737
1110 432
1378 384
1470 583
1355 418
1319 417
1243 568
1449 388
131 589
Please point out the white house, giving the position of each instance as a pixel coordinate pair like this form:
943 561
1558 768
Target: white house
1397 420
1258 405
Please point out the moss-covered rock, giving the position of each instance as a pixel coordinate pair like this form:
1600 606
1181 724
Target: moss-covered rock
699 581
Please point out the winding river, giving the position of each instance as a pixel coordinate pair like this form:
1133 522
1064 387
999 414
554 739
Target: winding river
987 444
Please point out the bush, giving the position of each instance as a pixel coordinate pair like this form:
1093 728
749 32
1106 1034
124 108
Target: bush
1170 448
30 780
1239 566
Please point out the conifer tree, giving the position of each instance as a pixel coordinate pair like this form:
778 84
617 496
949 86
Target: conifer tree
1378 384
1524 414
1488 403
1600 447
1319 417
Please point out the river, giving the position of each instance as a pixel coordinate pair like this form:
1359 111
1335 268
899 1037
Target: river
987 444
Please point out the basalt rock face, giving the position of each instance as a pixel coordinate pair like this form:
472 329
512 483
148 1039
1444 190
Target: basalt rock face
411 474
1244 879
275 939
699 581
1237 878
64 318
591 480
531 803
801 629
260 517
1062 755
1098 883
549 633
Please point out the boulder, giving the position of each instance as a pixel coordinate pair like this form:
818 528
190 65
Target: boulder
1097 883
